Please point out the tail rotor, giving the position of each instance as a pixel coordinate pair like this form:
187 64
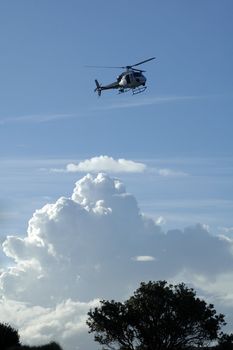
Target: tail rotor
98 88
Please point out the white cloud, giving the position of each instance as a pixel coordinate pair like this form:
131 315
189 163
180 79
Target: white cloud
38 324
160 220
144 258
218 288
106 164
110 165
169 172
80 249
226 230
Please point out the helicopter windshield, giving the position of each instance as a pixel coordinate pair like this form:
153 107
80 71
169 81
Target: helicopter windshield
137 74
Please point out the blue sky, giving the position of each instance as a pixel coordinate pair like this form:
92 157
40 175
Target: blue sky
179 129
49 111
45 45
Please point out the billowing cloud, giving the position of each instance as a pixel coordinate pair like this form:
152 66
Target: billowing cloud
105 164
97 244
39 324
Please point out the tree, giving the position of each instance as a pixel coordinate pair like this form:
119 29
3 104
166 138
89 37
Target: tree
157 317
50 346
9 340
225 342
8 336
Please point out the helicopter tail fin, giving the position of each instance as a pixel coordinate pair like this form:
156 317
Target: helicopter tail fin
98 87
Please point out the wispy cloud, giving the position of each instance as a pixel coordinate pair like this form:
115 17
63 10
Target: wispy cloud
37 118
166 172
226 230
146 101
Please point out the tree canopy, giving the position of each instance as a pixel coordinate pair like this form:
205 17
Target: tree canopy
225 342
9 336
9 340
159 316
50 346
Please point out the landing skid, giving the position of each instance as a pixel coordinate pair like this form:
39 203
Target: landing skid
135 91
138 90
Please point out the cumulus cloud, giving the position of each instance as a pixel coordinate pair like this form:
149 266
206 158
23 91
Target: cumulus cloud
106 164
38 324
97 244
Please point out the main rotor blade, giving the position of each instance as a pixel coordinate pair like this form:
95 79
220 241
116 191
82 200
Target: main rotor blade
123 67
103 67
137 64
138 70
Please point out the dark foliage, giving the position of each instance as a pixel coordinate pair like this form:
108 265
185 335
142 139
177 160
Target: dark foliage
50 346
157 317
225 342
8 336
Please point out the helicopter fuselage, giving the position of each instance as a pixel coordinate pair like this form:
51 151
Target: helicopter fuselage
131 80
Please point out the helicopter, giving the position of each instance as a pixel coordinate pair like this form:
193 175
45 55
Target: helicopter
131 79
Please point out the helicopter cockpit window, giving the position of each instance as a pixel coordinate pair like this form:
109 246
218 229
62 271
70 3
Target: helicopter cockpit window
137 74
127 79
119 77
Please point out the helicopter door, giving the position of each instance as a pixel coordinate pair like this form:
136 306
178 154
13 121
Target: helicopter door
128 80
